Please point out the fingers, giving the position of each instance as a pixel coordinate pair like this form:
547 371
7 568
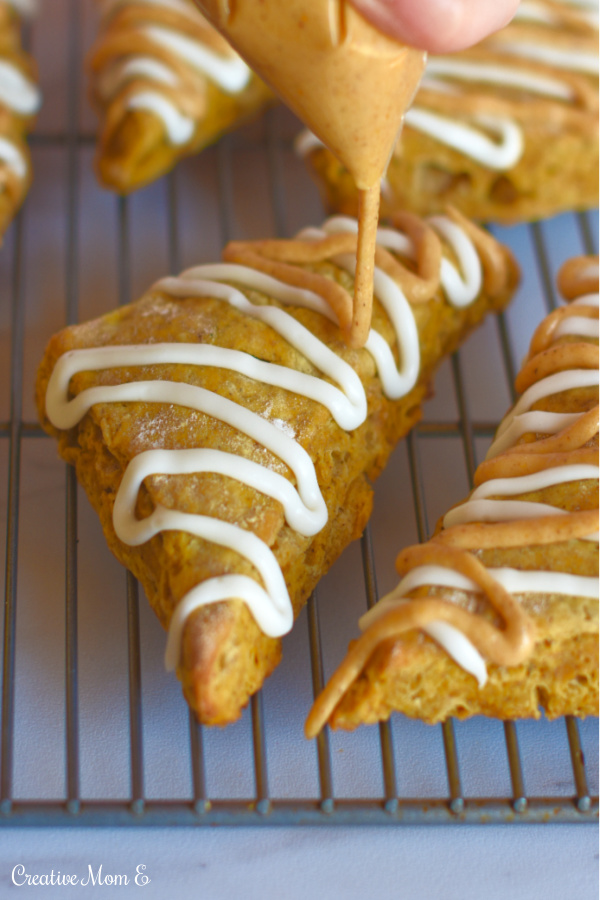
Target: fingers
440 26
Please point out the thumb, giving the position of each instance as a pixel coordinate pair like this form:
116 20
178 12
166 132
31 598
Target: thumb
440 26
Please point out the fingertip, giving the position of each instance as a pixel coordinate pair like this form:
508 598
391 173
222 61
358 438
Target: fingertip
438 26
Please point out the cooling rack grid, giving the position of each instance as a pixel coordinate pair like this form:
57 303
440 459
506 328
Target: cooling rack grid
92 730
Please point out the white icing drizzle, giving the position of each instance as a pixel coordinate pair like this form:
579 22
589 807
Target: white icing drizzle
303 504
502 511
545 387
494 73
517 581
532 422
588 299
113 78
574 60
229 72
24 7
519 421
479 508
459 648
463 291
17 92
536 481
454 642
12 155
501 154
530 11
179 128
577 325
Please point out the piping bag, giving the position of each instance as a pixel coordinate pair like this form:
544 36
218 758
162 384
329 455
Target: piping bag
348 82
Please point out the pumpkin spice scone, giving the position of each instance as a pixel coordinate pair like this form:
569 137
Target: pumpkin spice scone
227 434
166 85
19 102
497 614
506 131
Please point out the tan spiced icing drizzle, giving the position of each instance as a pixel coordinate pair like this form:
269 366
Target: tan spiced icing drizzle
547 449
274 268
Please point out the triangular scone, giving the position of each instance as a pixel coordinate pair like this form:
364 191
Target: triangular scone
505 131
166 85
229 450
19 102
498 613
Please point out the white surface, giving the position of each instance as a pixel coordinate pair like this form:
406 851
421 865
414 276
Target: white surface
491 863
433 862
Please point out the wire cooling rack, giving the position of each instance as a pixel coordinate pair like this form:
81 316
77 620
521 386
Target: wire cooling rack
93 732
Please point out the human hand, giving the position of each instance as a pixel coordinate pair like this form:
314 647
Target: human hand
439 26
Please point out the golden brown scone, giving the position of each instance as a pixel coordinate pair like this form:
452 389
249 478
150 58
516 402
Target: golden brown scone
166 85
301 422
497 614
506 131
19 102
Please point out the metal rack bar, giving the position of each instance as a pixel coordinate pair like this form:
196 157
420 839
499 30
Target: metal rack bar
516 769
135 696
583 223
71 311
423 429
464 419
12 529
543 265
511 740
418 490
275 164
507 358
453 771
390 784
131 589
448 736
201 805
197 764
172 224
577 761
123 252
480 811
71 650
226 204
263 802
14 433
318 681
